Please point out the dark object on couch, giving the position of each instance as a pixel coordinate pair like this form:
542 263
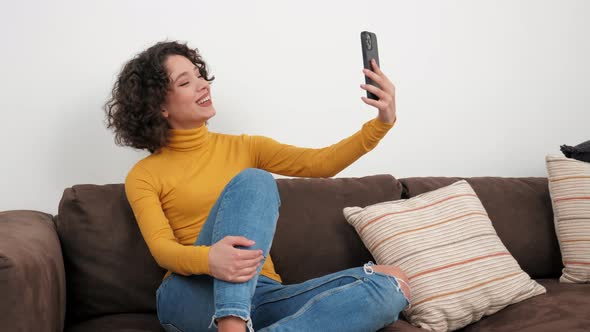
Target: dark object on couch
94 249
579 152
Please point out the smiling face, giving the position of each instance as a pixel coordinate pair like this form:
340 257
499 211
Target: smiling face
188 102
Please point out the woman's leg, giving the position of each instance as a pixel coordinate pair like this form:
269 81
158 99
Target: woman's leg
357 299
248 206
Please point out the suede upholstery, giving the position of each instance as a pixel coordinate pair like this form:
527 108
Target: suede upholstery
111 276
32 275
312 237
108 265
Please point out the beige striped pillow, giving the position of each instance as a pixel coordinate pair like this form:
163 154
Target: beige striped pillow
569 187
458 268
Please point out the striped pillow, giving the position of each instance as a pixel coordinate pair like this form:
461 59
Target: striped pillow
569 187
458 268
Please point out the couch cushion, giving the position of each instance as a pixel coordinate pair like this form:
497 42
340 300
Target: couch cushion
520 210
563 308
109 268
312 237
119 323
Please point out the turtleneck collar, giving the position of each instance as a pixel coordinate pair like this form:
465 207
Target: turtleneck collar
188 139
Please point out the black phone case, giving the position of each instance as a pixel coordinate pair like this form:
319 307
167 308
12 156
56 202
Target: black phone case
370 51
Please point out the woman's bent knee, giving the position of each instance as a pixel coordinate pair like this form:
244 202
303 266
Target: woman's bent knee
255 174
399 275
260 181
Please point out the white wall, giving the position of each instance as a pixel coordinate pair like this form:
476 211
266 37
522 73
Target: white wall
484 88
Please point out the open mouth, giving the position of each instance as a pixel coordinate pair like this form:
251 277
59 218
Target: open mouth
205 101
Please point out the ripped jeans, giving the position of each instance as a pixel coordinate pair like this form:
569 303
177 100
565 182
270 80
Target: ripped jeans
356 299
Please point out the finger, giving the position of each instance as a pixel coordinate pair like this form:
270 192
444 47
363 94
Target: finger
384 83
376 68
239 241
248 253
248 263
375 90
245 278
372 75
247 272
372 102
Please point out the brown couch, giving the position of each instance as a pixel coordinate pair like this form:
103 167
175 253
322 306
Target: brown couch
88 269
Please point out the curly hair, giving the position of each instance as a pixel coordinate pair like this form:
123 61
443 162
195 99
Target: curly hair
133 111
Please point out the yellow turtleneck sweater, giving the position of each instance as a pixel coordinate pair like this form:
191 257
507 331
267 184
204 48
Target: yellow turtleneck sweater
172 191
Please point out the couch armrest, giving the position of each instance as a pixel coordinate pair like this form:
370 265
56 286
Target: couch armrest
32 276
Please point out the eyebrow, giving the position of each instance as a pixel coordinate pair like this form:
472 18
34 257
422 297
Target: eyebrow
182 74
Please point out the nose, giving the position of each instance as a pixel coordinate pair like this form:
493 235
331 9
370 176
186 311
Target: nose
202 84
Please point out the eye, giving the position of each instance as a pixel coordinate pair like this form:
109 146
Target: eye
183 84
198 73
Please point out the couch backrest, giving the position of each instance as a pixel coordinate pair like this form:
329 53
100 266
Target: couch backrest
312 237
520 210
109 268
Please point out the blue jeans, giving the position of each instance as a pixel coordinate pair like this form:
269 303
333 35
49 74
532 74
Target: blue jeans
356 299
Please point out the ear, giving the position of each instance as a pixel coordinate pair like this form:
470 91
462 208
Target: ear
165 113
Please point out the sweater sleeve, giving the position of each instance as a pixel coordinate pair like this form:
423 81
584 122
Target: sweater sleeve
142 194
289 160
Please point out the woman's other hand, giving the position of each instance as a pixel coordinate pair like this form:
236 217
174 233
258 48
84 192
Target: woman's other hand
386 94
234 264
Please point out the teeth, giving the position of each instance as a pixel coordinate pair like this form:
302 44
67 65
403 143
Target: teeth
204 100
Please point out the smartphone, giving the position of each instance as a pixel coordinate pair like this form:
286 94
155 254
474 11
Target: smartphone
370 51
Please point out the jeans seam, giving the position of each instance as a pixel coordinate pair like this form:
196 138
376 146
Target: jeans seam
226 198
158 307
219 216
166 281
160 289
307 289
312 302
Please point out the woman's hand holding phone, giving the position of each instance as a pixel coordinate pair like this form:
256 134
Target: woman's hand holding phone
386 94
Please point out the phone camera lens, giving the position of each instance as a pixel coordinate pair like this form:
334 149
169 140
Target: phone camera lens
369 43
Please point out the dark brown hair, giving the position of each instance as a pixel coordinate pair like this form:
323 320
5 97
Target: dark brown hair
134 111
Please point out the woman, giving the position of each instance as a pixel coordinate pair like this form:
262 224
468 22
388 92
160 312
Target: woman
207 206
